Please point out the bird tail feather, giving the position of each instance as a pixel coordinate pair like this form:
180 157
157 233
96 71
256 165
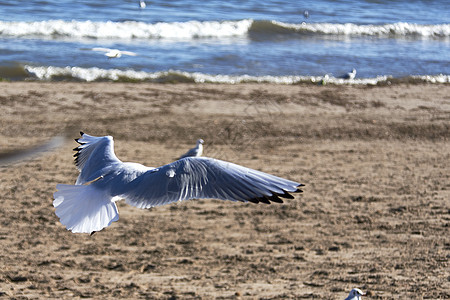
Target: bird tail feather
84 208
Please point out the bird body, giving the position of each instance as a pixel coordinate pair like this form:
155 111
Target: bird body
113 53
306 14
355 294
89 205
350 75
196 151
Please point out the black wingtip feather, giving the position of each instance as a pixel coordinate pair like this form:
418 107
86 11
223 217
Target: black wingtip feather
78 149
253 200
286 195
275 198
78 141
264 200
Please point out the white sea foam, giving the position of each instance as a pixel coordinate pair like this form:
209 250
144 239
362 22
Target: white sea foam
207 29
396 29
95 74
441 78
202 78
88 74
126 30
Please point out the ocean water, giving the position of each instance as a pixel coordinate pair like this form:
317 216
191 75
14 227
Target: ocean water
226 41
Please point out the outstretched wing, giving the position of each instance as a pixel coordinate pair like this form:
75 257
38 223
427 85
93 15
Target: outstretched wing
203 177
129 53
93 155
101 49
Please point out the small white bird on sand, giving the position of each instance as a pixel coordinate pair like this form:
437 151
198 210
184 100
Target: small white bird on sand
113 53
194 152
355 294
89 205
350 75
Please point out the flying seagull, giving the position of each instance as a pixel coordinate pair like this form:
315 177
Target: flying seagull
113 53
89 205
196 151
355 294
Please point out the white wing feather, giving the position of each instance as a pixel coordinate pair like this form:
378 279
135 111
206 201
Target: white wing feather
101 49
129 53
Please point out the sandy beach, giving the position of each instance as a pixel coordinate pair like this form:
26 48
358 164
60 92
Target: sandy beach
374 213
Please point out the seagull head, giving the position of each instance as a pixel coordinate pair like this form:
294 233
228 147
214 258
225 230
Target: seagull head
355 294
200 141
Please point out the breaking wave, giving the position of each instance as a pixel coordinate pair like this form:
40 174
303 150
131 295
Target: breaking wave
349 29
97 74
212 29
125 30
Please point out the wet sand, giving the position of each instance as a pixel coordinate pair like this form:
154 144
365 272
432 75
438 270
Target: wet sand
374 213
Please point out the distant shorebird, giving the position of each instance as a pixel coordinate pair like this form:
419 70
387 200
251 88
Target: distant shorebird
350 75
142 4
306 14
89 205
196 151
113 53
355 294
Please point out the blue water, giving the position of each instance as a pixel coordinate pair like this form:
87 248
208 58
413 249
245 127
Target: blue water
224 39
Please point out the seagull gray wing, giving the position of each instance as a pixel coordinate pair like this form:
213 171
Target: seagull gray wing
94 155
203 177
